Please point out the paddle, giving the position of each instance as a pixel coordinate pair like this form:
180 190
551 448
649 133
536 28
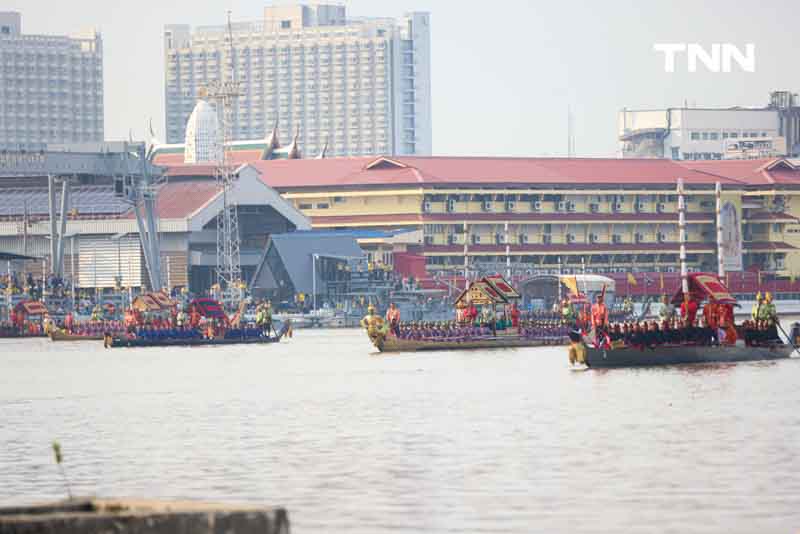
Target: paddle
788 338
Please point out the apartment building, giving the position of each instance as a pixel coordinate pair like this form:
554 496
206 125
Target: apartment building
691 133
359 86
52 87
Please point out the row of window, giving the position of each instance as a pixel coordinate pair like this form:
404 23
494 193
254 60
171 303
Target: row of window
716 135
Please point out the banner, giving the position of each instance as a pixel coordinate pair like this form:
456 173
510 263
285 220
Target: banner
731 237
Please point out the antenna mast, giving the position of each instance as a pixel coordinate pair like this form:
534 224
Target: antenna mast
225 93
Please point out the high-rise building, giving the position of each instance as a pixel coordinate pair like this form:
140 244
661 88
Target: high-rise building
51 87
358 85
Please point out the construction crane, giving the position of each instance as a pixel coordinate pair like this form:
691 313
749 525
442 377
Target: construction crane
225 93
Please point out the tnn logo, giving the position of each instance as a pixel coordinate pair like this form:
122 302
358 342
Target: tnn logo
719 59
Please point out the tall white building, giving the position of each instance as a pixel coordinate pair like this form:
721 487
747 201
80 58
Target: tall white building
51 87
713 133
358 85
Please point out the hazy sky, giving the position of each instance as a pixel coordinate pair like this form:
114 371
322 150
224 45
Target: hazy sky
503 72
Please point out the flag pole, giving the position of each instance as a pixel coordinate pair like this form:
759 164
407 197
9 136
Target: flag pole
720 256
682 239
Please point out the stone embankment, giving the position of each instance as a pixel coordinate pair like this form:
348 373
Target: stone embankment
129 516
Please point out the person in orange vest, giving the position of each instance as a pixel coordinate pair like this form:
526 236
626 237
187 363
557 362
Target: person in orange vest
710 318
393 318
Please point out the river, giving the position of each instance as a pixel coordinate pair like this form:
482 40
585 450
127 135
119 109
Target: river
353 441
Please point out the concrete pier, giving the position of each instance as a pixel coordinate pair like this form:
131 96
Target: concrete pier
129 516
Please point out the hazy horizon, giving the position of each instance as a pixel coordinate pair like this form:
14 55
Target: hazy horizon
503 74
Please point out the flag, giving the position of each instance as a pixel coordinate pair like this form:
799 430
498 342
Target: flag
759 279
661 281
571 283
632 280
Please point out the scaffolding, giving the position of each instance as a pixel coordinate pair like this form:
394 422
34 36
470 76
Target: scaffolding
225 93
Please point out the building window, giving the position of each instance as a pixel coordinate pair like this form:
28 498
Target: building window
305 206
705 136
286 24
695 136
713 136
323 206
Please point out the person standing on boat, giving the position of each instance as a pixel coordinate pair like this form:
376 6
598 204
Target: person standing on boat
768 316
667 311
710 318
567 312
755 314
689 311
600 320
393 318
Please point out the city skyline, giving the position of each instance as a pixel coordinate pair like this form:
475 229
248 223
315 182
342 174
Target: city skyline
502 78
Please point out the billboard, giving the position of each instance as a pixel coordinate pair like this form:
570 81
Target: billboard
731 237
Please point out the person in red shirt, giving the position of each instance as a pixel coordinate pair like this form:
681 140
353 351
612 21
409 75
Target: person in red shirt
600 314
711 320
473 313
514 316
689 311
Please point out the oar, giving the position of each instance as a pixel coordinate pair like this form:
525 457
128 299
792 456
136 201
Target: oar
788 337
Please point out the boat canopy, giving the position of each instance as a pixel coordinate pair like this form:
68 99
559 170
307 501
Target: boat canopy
152 302
31 307
488 290
704 286
208 308
587 283
145 303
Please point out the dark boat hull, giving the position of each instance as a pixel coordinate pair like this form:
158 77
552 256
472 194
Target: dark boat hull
199 342
393 344
674 355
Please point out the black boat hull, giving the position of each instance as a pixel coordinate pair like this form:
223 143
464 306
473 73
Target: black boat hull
199 342
675 355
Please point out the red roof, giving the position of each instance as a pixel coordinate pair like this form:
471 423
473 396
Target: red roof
445 171
179 199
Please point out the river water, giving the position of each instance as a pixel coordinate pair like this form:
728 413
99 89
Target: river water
354 441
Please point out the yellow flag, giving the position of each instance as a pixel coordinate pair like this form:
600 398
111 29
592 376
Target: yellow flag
632 280
572 284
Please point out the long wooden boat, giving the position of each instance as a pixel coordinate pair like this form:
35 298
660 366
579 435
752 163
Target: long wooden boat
119 341
61 335
394 344
682 354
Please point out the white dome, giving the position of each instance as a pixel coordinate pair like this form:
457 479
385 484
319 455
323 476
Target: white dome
202 135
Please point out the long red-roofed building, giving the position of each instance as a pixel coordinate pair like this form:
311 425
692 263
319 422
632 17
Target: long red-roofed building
544 214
